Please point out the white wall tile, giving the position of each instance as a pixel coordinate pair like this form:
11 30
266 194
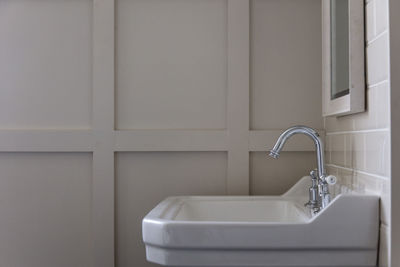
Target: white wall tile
45 64
358 151
338 124
376 115
370 20
338 149
332 170
378 60
377 153
348 151
346 176
328 148
367 119
365 183
382 19
382 105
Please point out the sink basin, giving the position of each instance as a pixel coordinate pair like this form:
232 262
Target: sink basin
225 209
263 231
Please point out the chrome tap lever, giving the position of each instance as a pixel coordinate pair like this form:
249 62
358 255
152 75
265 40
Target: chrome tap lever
324 194
314 200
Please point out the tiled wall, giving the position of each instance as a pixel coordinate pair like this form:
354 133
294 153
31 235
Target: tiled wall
358 146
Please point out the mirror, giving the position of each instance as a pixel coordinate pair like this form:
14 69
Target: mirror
339 48
343 57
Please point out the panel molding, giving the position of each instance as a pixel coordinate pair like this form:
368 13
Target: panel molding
140 140
171 140
238 118
103 133
46 141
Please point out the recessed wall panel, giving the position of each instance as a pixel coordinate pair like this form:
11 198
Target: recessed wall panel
45 207
171 64
45 64
144 179
285 64
269 176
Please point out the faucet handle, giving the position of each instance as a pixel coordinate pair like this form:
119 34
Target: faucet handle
313 174
331 180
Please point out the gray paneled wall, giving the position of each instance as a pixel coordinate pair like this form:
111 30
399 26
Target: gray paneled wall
109 106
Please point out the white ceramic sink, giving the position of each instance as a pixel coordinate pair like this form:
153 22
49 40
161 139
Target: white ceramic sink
263 231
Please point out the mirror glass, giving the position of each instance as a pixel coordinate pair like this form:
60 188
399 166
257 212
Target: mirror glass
339 48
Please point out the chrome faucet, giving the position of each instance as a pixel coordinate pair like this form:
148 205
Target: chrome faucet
319 191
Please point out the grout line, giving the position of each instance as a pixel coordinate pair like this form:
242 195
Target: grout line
384 224
364 155
373 40
359 171
359 131
371 86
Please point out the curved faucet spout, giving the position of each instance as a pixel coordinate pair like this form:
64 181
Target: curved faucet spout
313 135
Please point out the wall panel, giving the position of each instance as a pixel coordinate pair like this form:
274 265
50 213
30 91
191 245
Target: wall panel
145 179
45 64
171 64
285 64
269 176
45 207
